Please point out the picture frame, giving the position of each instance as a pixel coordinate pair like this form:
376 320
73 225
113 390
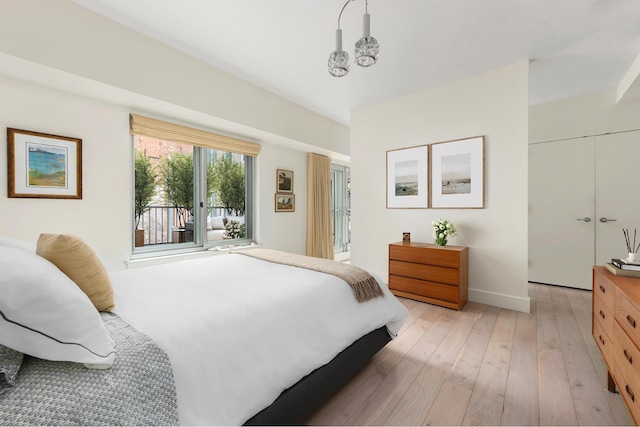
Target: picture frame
408 178
457 173
42 165
284 181
285 202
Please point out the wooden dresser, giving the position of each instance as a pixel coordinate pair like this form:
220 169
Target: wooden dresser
429 273
616 329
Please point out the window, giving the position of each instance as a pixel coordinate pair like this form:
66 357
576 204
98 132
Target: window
186 194
341 208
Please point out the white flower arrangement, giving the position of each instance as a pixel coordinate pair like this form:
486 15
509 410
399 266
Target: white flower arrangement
442 229
236 230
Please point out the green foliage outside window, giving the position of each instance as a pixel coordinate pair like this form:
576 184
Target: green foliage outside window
145 185
229 183
176 176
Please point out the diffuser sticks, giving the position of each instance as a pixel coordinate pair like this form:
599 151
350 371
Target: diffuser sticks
631 248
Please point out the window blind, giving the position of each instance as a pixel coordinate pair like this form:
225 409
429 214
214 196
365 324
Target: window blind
140 125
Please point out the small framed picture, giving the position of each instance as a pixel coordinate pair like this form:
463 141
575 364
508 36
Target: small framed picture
43 166
285 202
284 182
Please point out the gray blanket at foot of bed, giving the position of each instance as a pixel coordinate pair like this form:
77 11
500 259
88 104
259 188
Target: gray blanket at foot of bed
138 389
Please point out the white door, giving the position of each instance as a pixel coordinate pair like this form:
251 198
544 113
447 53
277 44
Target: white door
561 212
617 192
582 193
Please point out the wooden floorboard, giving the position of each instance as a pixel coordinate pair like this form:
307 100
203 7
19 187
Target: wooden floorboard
485 366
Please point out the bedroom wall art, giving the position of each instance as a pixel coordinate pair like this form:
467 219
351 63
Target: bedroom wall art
407 177
285 202
284 181
41 165
457 173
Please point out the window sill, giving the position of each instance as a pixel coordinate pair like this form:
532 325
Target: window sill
156 259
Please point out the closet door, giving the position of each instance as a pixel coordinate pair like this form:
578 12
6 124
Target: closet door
617 193
561 212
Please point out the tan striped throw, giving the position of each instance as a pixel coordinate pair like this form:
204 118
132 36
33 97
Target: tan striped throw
365 286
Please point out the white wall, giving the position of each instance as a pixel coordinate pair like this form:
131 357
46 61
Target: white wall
494 104
286 231
591 114
71 39
103 216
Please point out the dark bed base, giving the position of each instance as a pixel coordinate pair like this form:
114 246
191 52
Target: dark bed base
300 400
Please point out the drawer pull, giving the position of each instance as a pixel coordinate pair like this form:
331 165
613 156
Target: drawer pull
629 358
602 314
602 289
601 339
630 393
631 320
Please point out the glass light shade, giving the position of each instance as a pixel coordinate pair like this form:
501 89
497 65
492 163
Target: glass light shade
339 59
367 49
338 63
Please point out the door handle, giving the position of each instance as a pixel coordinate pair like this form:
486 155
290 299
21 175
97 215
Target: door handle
585 219
603 219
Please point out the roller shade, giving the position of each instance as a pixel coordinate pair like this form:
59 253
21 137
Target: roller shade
145 126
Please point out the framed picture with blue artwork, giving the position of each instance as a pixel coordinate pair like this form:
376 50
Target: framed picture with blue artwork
41 165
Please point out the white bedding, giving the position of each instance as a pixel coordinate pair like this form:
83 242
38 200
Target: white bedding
239 330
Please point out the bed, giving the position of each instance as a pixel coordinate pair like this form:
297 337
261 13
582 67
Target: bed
249 341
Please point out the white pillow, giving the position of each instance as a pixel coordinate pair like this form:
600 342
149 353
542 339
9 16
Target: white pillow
217 223
10 242
45 314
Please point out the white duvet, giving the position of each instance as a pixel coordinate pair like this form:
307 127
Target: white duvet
239 330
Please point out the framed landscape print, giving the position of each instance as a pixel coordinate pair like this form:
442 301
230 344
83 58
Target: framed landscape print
284 181
407 177
43 166
457 173
285 203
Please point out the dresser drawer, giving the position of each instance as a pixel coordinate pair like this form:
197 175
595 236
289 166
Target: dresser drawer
604 344
423 288
603 315
630 393
442 256
628 316
626 356
603 290
432 273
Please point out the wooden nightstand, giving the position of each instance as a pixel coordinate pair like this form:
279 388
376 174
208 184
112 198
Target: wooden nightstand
429 273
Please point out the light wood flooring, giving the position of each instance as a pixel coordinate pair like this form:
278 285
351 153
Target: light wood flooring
485 366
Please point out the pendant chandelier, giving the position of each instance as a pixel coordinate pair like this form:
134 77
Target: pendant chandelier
366 51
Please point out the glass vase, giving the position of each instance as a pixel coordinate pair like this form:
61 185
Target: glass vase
440 241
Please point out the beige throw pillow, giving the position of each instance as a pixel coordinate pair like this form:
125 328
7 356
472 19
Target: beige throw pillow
78 261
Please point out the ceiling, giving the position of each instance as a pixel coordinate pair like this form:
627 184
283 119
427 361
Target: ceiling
575 46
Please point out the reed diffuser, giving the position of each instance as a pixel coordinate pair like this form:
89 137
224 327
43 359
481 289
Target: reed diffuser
632 249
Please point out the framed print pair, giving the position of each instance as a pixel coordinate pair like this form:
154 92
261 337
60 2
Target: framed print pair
441 175
285 200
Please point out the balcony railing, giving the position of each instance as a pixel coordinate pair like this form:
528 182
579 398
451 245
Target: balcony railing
159 223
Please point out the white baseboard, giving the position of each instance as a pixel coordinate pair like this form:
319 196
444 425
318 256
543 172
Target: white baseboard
500 300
